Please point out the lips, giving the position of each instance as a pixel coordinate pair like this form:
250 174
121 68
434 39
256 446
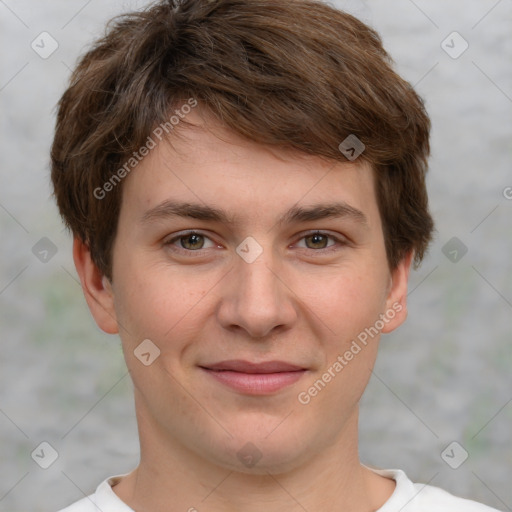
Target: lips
249 378
237 365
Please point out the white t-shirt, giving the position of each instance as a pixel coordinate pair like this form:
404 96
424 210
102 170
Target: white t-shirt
407 497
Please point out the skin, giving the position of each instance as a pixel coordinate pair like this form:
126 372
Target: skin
297 302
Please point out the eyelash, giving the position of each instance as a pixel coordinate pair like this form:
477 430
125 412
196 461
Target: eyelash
339 241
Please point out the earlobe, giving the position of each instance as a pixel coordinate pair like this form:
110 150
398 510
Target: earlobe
96 287
396 302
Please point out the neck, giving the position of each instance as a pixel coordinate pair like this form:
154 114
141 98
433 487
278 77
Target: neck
171 474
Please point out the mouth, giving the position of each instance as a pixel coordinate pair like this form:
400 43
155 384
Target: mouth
255 378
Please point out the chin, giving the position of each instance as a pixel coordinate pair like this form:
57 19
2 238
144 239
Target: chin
260 451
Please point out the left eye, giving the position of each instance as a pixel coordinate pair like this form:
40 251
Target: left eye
318 240
190 241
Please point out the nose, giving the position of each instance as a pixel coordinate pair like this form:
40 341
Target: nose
257 298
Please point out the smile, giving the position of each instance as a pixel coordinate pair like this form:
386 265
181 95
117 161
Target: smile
255 379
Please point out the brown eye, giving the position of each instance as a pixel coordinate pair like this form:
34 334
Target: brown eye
318 241
322 242
192 241
189 242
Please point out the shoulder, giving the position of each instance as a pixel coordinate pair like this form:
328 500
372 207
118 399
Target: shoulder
430 496
102 500
417 497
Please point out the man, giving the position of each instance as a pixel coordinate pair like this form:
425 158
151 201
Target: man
245 183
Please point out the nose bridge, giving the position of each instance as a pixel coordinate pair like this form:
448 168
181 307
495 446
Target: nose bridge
258 284
257 301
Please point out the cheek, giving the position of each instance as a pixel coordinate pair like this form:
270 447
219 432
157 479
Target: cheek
349 308
351 301
158 302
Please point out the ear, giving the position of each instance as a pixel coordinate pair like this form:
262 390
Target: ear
396 301
96 287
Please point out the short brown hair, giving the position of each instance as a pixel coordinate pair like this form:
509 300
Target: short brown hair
293 73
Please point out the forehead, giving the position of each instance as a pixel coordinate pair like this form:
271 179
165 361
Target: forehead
207 164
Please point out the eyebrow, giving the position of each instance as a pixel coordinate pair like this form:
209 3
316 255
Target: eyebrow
323 211
170 208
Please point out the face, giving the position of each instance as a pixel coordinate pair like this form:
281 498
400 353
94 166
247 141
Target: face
260 278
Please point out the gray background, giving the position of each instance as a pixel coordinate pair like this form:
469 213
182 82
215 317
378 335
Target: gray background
444 376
